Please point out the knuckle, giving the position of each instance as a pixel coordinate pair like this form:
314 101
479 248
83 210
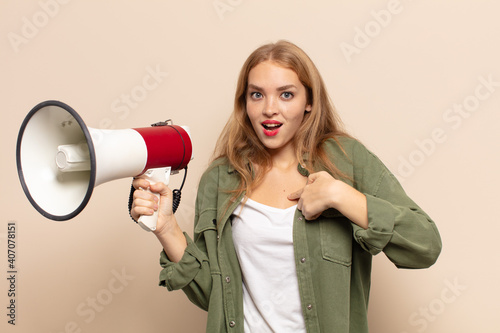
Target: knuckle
138 194
141 203
137 183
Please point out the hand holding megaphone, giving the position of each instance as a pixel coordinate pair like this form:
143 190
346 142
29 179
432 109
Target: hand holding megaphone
151 201
60 160
155 176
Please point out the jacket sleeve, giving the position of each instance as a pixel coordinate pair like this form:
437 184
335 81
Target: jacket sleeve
192 273
396 224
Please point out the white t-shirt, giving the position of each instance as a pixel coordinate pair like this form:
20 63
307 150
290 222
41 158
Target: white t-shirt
263 239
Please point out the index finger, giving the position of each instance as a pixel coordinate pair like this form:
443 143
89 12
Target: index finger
140 183
295 195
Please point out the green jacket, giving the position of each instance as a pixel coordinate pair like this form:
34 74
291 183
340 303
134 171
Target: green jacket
333 256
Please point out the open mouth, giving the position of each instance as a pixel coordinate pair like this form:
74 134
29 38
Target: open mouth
271 128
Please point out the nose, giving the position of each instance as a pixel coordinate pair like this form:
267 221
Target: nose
270 107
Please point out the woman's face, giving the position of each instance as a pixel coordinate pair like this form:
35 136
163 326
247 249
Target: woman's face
276 103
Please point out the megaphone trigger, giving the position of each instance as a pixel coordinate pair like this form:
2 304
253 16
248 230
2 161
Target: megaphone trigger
157 175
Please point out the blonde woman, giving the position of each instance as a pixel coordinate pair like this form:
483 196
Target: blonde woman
290 212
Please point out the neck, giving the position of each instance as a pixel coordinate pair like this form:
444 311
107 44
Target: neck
284 159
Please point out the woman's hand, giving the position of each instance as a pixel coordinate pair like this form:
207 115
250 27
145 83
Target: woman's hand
167 230
317 196
322 192
146 203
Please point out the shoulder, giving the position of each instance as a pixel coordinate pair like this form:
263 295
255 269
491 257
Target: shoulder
342 144
216 167
364 167
216 185
345 149
221 173
353 149
209 184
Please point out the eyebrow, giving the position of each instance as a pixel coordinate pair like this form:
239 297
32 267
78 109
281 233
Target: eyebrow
286 87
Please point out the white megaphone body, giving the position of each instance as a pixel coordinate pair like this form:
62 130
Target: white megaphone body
60 160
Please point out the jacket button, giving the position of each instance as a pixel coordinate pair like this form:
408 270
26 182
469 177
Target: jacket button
228 279
302 260
232 323
218 237
309 306
300 218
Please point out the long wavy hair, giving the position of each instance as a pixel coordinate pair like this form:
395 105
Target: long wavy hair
238 142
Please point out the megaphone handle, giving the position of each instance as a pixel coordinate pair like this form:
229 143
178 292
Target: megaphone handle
148 222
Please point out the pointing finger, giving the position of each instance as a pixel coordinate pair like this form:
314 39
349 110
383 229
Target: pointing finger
295 195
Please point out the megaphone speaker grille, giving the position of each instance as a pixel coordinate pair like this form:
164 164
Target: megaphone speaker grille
56 195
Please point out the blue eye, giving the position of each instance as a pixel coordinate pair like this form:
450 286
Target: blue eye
287 95
256 95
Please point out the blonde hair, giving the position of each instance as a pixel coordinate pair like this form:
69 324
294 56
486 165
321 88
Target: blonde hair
238 142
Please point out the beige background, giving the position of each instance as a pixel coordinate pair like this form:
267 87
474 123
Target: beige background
396 70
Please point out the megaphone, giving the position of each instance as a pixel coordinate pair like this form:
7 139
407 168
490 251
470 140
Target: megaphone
60 160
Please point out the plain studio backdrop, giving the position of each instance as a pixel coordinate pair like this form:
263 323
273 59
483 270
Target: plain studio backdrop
417 81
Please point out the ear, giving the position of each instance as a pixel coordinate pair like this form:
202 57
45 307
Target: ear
308 108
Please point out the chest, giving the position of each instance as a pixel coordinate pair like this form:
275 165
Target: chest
276 186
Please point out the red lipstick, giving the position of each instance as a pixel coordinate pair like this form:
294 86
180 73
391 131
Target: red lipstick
271 127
